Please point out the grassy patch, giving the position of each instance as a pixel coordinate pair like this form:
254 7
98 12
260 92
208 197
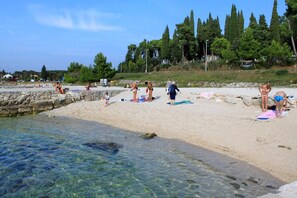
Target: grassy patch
276 76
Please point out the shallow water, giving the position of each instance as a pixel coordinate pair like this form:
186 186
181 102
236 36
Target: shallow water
54 157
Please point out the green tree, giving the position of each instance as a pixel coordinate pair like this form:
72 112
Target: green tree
232 25
73 73
43 73
274 24
291 14
201 37
175 49
248 47
261 34
184 36
131 53
240 23
219 46
278 54
192 39
86 74
253 22
102 68
165 48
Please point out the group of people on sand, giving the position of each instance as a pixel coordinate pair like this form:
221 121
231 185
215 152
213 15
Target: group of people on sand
170 88
280 98
149 90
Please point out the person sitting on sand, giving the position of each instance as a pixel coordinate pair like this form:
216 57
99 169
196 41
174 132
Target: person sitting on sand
264 90
134 88
280 99
58 88
149 90
172 92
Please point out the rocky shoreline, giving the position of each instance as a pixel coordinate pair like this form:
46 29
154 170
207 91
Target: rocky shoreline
14 103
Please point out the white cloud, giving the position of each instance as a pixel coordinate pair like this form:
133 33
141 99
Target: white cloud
87 20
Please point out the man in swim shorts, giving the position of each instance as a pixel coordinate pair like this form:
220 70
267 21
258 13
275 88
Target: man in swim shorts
280 99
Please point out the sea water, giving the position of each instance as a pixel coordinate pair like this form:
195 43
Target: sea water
44 156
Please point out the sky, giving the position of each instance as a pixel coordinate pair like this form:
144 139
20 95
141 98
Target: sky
55 33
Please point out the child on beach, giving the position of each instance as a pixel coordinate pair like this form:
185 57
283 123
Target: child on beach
264 90
106 97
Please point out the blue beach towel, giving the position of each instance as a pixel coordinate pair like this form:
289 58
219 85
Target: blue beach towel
182 102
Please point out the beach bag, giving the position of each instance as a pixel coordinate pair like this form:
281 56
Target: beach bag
291 101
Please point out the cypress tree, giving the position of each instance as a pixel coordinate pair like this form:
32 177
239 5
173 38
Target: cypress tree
192 40
274 24
200 38
253 22
43 73
261 34
233 35
175 48
227 28
240 23
165 47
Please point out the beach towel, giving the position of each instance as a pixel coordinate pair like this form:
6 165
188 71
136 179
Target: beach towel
181 102
269 114
139 100
206 95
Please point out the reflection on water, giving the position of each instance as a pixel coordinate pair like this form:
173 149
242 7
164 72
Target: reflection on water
59 157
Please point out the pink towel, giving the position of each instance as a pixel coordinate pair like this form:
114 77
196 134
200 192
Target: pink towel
207 95
268 114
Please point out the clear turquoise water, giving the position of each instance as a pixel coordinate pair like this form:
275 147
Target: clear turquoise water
47 157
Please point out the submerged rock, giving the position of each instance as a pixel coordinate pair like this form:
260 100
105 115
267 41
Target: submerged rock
110 147
149 136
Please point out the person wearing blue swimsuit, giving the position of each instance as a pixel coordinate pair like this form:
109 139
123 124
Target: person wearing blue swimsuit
280 99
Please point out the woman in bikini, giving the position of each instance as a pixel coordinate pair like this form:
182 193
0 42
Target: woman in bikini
134 88
149 90
58 88
264 90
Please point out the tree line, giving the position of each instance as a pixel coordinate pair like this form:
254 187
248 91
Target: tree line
259 43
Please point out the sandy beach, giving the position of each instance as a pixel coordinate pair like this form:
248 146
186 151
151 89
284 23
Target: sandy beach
230 129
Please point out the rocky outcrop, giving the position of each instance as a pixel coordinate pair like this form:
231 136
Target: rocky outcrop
20 102
148 136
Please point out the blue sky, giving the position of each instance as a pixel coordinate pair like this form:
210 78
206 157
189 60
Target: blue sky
55 33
